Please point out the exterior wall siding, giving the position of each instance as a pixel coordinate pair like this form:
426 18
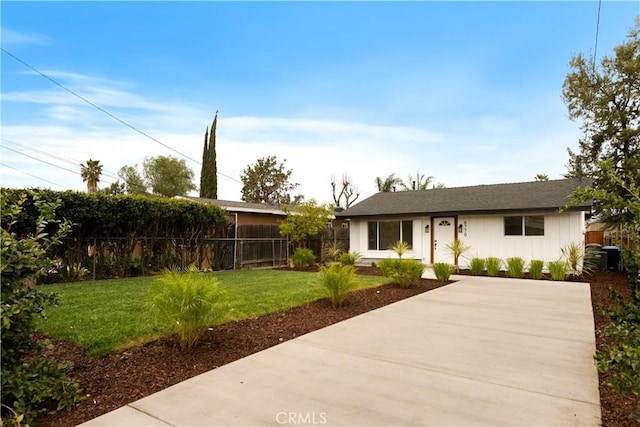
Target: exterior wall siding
485 236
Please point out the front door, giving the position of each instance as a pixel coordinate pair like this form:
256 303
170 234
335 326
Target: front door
444 233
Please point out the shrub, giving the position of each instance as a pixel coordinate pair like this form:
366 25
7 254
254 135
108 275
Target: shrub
619 357
303 257
493 266
190 301
477 266
535 268
331 252
557 270
403 271
457 248
443 271
350 258
515 267
338 281
30 383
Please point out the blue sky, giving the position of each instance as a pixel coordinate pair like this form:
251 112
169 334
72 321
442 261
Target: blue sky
468 92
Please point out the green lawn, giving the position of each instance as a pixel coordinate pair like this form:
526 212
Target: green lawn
102 316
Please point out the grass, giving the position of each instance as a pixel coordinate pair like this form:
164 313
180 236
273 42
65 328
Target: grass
106 315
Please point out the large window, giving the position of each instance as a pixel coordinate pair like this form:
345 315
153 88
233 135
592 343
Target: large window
532 225
384 234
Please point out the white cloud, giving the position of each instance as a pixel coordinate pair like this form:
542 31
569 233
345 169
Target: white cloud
513 146
10 37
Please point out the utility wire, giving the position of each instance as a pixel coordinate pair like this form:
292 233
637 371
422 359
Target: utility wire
30 174
68 160
48 163
97 106
108 113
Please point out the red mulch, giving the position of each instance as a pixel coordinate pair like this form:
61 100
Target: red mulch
116 379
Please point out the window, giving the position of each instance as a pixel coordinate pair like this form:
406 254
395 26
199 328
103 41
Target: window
383 234
524 225
345 225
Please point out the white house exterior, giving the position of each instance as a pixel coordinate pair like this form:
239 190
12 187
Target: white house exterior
502 220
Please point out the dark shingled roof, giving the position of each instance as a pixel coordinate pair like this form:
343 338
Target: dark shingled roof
234 206
496 198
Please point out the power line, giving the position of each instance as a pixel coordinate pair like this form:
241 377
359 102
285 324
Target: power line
30 174
97 106
107 113
68 160
48 163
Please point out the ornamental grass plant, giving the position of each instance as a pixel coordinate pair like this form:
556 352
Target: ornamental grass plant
443 271
493 266
515 267
557 270
338 280
535 268
477 266
188 300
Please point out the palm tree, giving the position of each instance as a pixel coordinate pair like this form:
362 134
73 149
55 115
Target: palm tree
421 182
90 174
388 184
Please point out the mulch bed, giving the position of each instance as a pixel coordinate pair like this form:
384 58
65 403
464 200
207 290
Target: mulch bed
116 379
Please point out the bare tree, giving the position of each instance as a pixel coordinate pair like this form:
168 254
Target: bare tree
345 189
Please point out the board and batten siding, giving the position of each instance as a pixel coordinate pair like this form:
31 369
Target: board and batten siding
358 241
485 236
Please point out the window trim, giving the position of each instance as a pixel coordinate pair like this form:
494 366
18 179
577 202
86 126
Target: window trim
400 228
523 225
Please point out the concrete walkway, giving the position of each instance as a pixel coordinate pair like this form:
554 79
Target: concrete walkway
481 351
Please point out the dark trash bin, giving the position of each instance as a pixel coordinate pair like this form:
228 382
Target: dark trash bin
613 257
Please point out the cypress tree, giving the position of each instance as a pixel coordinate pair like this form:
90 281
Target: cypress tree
209 172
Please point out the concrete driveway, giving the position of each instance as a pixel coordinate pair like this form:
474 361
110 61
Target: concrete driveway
481 351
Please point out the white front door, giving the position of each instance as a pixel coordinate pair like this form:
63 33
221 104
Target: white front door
444 233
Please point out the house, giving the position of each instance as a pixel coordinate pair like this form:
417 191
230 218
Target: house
243 213
501 220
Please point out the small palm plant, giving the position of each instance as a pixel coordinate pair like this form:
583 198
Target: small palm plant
190 301
331 251
579 259
400 248
457 248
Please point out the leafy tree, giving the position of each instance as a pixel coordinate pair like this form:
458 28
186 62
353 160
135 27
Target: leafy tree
133 182
168 176
606 99
541 177
304 221
268 182
30 383
388 184
209 171
90 173
420 182
114 189
346 190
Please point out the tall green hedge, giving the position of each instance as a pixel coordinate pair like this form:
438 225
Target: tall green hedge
117 223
